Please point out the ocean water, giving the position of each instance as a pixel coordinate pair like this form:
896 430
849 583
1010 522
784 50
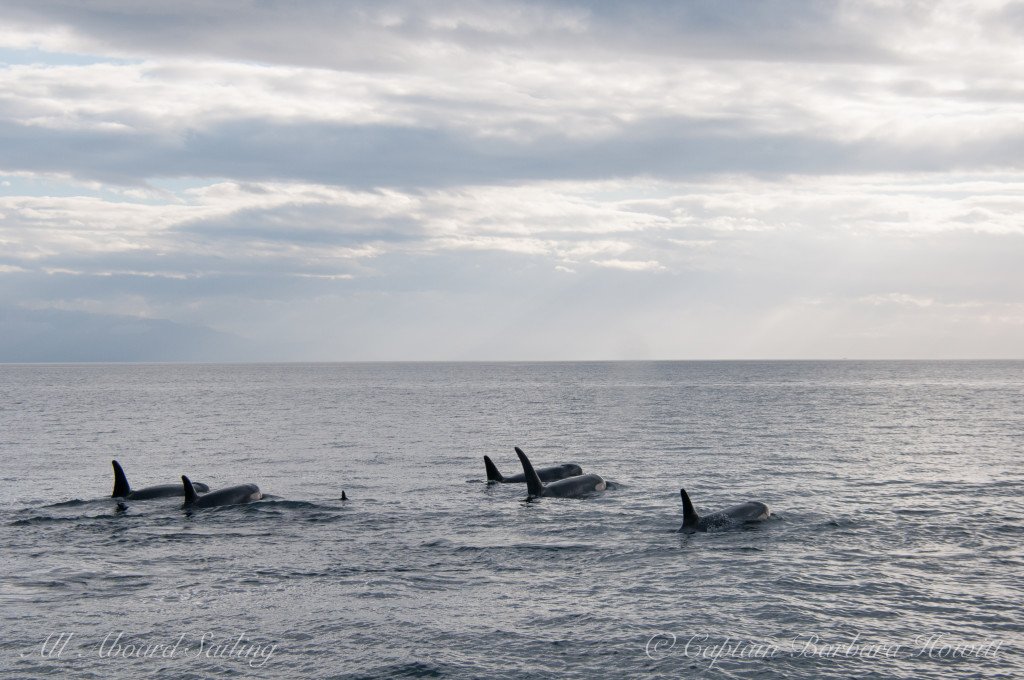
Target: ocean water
895 548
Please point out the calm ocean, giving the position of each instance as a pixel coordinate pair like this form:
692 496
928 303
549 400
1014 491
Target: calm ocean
895 548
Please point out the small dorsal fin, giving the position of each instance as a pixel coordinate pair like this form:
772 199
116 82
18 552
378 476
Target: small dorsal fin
690 517
190 492
343 496
121 488
492 471
534 486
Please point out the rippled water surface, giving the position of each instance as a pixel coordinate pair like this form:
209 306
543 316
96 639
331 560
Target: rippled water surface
894 548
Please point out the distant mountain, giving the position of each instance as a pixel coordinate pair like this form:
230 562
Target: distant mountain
60 336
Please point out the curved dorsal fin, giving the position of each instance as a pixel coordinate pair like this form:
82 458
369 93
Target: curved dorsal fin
492 471
690 517
534 486
190 492
121 488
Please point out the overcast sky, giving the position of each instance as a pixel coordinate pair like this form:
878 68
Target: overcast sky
407 180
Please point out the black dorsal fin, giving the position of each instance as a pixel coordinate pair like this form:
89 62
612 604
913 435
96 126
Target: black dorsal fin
121 488
690 517
492 471
190 492
343 496
534 486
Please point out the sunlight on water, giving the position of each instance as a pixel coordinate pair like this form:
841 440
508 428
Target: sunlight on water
893 549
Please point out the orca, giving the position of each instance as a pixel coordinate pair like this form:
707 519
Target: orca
233 495
751 511
569 487
123 490
548 474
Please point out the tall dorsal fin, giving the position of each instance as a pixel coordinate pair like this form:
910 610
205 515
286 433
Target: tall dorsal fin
690 517
190 492
343 496
492 471
534 486
121 488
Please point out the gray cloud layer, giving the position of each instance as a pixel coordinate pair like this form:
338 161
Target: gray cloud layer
425 179
365 157
391 34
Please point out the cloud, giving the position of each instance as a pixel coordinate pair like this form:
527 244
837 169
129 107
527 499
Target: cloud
351 33
629 265
403 34
371 157
370 173
897 299
484 112
70 336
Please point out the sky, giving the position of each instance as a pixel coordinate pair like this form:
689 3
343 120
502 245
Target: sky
405 180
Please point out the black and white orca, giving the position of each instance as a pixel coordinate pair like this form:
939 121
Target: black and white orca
751 511
232 495
548 474
123 490
569 487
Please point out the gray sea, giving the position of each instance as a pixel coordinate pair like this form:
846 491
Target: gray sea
895 548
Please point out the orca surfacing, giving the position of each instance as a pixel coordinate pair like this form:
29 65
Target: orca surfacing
751 511
233 495
123 490
548 474
570 487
